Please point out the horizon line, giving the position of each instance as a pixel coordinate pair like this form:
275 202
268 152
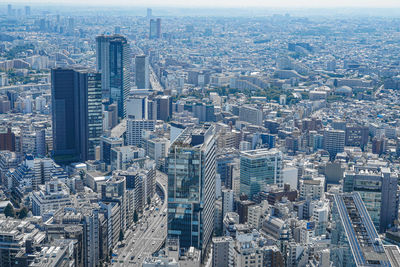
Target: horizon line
206 6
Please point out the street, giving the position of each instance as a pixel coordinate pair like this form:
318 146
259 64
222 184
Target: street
149 234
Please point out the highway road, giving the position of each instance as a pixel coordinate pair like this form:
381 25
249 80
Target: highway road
150 232
155 84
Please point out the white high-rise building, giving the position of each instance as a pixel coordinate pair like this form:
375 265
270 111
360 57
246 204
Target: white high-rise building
156 149
227 201
312 187
320 215
334 141
244 146
134 130
121 156
28 105
3 79
251 115
40 104
53 195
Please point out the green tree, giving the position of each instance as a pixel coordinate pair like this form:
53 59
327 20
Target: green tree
9 211
135 216
23 213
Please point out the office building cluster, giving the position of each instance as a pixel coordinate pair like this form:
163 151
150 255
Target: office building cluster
262 141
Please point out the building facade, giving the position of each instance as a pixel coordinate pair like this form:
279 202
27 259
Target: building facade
113 62
77 117
258 168
191 187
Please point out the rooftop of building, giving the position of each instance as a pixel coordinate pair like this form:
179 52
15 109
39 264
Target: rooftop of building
52 255
259 153
119 130
194 136
160 261
393 253
192 254
218 239
112 37
111 138
365 244
10 226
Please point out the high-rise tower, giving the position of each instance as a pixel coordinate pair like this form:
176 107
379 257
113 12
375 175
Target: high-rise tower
113 59
76 110
155 28
142 72
191 187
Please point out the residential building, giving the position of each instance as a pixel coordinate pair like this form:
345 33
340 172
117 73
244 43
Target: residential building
134 130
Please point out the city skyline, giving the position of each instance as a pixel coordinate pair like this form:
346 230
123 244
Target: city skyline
198 135
225 3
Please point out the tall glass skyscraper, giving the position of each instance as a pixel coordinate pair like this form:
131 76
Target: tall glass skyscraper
76 114
191 187
113 62
90 113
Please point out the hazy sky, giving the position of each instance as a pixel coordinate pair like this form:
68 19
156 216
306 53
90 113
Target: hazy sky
228 3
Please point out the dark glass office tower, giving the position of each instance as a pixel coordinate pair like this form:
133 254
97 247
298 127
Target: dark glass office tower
164 107
191 187
142 72
77 114
90 112
113 62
